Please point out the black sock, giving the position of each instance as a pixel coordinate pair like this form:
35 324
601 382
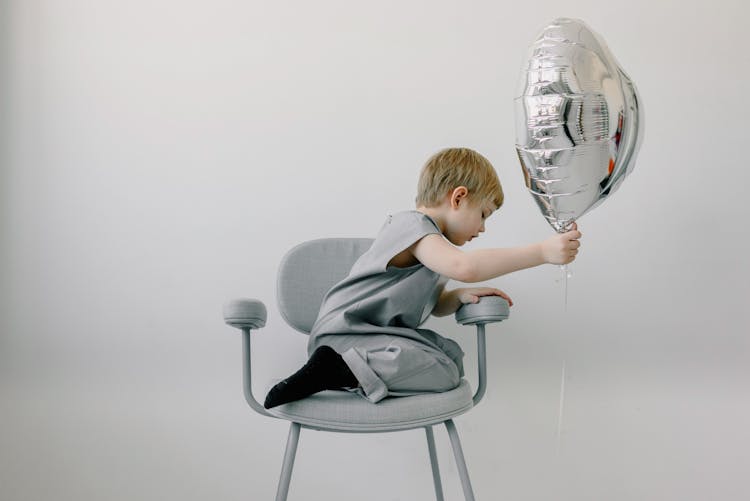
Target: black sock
325 370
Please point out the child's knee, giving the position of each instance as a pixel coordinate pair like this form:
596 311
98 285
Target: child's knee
451 375
439 374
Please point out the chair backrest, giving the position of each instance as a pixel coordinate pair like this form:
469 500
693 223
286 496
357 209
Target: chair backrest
308 271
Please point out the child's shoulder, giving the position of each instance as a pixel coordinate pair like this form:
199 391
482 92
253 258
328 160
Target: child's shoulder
409 217
409 222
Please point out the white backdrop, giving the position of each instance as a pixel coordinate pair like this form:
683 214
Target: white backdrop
158 158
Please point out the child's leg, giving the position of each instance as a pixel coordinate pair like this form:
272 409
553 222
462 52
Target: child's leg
325 370
400 366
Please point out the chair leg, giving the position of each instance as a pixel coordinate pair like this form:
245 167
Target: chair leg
460 463
434 463
286 469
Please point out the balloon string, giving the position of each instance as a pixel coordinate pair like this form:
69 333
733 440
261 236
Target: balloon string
561 407
566 275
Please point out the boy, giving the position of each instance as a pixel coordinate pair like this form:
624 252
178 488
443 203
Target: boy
367 336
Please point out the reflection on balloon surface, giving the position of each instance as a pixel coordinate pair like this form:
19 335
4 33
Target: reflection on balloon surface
579 122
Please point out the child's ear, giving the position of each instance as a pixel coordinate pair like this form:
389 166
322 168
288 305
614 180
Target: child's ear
458 196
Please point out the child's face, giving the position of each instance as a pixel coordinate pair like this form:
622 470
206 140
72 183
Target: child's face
466 221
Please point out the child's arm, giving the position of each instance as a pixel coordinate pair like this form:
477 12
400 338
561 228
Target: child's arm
451 300
439 255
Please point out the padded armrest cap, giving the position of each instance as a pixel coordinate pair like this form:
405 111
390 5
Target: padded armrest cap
245 313
489 309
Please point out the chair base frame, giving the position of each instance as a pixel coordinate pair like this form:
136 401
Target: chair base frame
463 472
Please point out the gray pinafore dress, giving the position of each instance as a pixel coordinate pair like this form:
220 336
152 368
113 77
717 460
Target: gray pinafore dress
372 318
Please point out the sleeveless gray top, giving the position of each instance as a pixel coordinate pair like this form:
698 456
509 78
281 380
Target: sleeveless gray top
379 299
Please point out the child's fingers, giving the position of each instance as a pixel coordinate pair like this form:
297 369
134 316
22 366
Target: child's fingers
573 235
490 291
506 297
468 297
573 244
471 298
498 292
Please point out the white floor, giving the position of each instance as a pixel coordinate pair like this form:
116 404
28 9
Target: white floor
621 441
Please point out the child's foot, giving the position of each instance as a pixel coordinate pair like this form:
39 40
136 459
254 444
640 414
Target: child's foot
325 370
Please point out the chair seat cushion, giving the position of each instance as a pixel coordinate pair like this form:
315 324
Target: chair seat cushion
348 411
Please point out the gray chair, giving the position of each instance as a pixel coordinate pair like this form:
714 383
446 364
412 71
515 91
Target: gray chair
305 274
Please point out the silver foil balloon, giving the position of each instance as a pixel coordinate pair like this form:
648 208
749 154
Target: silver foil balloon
579 122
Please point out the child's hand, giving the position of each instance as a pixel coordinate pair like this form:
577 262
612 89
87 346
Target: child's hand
562 248
471 295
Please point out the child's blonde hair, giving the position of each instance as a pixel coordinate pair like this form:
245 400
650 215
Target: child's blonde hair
453 167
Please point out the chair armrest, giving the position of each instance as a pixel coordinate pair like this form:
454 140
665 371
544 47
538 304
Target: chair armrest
245 313
489 309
